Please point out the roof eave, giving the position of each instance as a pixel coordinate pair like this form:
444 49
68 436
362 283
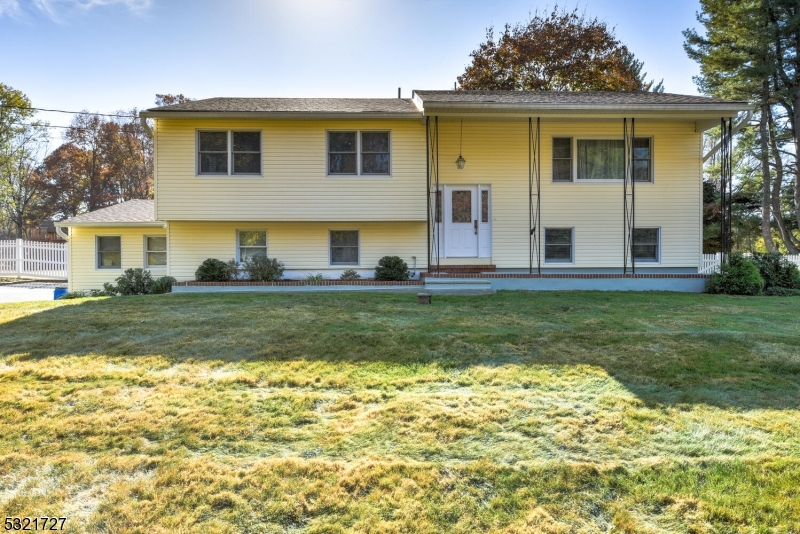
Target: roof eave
280 115
151 224
498 107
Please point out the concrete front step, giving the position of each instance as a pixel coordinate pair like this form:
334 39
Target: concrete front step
458 286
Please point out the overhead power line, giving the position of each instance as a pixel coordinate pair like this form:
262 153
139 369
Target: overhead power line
72 112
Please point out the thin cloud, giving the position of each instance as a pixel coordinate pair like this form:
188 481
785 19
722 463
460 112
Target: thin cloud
55 8
9 7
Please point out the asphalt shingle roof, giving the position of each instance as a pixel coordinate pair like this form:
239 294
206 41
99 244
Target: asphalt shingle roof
296 105
563 97
132 211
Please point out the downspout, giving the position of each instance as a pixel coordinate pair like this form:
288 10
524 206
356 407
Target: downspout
65 237
736 129
146 126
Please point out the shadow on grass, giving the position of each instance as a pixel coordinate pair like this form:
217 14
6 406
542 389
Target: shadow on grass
665 348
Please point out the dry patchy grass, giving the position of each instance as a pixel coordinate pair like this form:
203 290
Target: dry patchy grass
520 412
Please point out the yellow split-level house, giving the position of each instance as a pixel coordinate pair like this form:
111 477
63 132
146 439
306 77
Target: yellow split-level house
555 189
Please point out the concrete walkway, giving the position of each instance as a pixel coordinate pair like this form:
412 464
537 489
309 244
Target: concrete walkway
28 291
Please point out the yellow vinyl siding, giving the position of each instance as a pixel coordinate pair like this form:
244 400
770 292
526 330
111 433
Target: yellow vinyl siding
300 246
83 272
294 185
497 155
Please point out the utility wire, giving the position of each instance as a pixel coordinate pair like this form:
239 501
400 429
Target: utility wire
72 112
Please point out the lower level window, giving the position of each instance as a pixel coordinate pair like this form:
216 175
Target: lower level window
558 245
251 244
109 252
155 251
344 247
645 244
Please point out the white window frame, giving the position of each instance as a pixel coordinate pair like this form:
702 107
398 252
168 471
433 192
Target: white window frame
97 264
576 180
238 245
571 243
658 245
359 172
146 250
229 133
330 246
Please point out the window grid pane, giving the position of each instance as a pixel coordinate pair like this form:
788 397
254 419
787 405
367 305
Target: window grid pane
562 159
246 152
342 156
374 152
213 152
601 159
485 206
642 156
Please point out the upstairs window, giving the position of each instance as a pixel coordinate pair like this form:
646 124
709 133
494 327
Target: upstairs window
359 153
229 152
600 159
562 159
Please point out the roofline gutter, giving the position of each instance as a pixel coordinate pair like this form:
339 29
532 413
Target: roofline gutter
154 224
275 115
739 125
433 107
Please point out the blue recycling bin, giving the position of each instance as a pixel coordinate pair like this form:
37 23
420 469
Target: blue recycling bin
59 292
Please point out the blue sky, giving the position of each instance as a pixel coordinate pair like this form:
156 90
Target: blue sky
104 55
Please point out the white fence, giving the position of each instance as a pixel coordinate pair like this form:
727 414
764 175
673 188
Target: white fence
33 259
711 262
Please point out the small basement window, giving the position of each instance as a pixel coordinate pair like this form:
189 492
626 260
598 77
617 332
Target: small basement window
646 244
344 247
251 244
109 252
558 245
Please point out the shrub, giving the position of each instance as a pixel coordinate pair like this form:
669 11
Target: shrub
391 268
132 282
311 278
739 277
778 273
233 269
350 274
162 285
212 270
263 269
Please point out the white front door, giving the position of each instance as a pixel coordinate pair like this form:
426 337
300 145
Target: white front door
461 221
466 228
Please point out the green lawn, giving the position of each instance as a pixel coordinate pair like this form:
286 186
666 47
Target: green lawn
518 412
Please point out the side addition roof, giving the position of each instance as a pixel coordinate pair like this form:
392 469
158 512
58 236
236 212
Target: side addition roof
130 213
289 108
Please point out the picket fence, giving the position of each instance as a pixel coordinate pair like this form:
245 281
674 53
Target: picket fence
33 259
711 262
